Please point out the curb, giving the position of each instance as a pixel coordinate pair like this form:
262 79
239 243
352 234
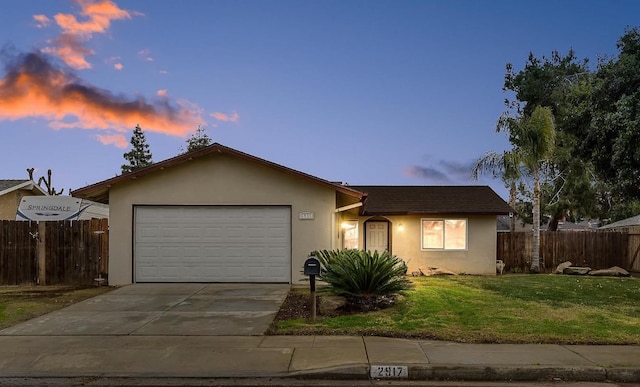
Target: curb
360 374
624 375
479 373
508 373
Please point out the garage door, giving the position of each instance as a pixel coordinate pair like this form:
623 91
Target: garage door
212 244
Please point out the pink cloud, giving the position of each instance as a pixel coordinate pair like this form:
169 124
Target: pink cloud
33 87
118 66
162 93
41 21
113 139
70 48
233 117
97 18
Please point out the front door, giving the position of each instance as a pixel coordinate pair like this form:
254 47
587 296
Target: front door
377 236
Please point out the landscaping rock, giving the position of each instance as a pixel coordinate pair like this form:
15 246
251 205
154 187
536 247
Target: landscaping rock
562 266
576 270
329 304
436 271
611 272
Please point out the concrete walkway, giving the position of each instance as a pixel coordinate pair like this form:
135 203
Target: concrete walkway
310 357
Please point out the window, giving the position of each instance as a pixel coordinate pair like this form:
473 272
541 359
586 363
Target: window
444 234
350 234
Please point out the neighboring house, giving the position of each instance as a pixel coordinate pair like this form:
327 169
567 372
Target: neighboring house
221 215
12 191
584 225
631 224
504 225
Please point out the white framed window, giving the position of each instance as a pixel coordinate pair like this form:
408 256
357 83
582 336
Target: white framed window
350 234
444 234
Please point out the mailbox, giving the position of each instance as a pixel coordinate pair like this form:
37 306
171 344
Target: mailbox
312 266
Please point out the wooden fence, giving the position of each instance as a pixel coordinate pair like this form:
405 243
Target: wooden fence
596 249
53 253
18 252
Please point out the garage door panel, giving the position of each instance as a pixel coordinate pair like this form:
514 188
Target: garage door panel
212 244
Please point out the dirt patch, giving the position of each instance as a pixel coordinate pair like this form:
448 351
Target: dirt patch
21 303
297 305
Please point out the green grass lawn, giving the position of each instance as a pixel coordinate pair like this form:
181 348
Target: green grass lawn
503 309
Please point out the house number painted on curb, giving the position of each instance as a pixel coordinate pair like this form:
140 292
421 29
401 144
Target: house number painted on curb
389 372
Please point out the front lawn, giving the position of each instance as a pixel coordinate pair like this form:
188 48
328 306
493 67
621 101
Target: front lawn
503 309
21 303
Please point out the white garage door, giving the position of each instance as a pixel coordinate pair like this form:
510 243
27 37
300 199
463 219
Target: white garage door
212 244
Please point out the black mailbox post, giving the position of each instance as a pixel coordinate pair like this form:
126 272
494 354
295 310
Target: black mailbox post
312 269
312 266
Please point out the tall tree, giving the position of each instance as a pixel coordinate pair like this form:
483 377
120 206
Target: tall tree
140 155
614 134
562 83
198 140
533 139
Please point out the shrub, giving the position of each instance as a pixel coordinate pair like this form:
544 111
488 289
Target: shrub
357 274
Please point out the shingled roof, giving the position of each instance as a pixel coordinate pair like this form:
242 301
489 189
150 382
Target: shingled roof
9 185
401 200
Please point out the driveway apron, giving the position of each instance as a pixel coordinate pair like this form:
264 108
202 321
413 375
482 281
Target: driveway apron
165 310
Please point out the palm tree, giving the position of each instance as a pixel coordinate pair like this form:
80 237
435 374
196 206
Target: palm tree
504 164
533 139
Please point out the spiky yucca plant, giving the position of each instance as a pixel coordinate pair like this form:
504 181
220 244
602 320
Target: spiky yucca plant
356 273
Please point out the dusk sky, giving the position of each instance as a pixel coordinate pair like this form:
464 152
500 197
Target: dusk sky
364 92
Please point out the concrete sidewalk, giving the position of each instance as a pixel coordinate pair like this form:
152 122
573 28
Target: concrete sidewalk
309 357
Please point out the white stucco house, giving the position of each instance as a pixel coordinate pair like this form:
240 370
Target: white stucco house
221 215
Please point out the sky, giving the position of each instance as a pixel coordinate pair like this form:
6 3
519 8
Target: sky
365 92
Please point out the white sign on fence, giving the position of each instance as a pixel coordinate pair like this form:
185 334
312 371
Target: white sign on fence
45 208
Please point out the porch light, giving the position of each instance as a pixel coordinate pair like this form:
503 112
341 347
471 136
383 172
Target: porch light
347 225
401 227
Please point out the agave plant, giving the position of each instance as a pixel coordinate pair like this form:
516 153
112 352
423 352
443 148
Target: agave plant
353 273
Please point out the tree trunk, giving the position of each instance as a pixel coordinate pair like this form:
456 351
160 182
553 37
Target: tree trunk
553 223
512 203
535 247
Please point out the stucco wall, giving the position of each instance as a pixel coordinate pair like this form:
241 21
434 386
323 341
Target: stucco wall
8 206
221 180
479 258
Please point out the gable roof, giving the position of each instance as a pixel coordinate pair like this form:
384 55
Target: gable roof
629 222
402 200
99 192
10 185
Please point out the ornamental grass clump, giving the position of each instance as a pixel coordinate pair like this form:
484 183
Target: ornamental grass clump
368 280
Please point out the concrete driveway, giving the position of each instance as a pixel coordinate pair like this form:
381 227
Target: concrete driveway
165 309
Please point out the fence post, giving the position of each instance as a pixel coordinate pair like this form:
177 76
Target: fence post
42 253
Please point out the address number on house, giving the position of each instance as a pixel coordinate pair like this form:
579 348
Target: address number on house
389 372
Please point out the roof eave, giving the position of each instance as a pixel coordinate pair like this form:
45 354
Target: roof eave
426 213
89 191
29 184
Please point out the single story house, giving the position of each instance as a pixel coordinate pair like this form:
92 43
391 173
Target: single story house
12 191
221 215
